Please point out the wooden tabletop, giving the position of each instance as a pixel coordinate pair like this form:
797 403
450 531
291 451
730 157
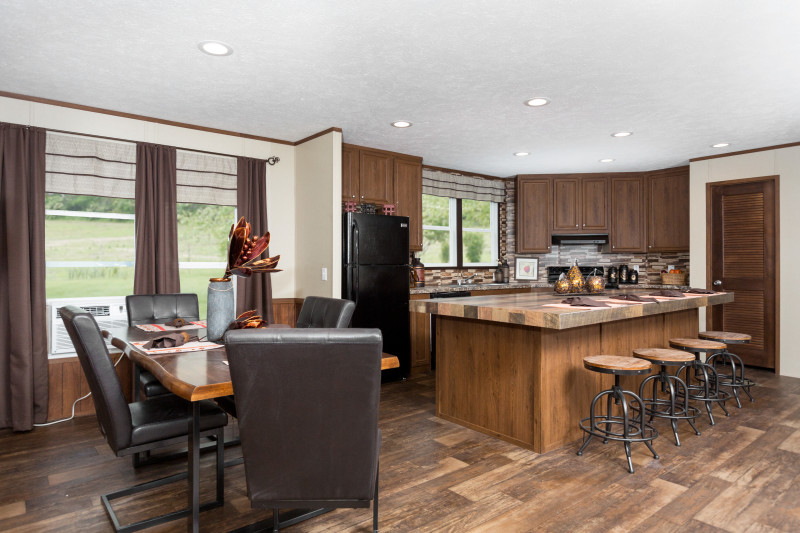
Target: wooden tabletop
193 376
623 365
656 355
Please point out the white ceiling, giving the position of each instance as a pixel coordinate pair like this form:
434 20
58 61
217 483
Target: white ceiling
680 74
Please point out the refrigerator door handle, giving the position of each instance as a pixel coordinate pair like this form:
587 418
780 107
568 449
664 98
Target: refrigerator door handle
355 263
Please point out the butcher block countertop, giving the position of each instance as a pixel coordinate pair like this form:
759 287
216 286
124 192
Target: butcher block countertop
541 309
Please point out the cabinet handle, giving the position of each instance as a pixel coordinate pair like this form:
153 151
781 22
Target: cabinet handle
613 246
584 225
650 246
354 196
362 196
576 225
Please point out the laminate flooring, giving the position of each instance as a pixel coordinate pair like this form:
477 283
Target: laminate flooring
742 475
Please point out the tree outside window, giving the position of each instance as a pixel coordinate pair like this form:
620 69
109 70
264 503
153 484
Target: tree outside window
446 222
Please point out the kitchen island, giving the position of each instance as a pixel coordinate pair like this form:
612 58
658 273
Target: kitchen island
511 365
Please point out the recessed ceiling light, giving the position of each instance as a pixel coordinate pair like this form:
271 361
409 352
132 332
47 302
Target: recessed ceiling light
606 160
401 124
521 154
622 134
537 102
720 145
215 48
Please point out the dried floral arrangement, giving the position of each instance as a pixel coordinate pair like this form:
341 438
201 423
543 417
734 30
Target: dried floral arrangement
248 319
244 251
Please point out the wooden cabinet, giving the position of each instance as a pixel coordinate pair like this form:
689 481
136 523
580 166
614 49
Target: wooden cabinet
580 204
376 177
533 215
668 210
628 221
408 197
350 175
420 338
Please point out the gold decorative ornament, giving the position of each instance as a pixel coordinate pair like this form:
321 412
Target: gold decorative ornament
562 285
595 283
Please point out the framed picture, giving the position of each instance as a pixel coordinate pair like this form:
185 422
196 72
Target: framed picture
527 269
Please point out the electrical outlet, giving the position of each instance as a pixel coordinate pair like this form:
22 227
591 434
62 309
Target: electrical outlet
636 268
324 274
670 267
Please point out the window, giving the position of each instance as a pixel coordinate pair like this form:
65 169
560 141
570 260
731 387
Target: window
202 246
89 246
459 233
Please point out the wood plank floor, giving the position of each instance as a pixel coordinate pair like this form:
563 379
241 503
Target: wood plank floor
742 475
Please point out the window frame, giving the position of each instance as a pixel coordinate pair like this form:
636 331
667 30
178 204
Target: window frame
456 231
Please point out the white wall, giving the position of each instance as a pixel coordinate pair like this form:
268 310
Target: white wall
318 223
280 178
784 162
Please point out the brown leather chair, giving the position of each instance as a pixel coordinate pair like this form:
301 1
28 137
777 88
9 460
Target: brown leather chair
316 312
157 309
139 426
308 417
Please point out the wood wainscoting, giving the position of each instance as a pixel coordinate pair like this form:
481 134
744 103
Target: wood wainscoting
66 382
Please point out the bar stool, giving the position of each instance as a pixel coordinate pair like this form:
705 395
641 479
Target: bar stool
631 428
707 390
727 358
670 407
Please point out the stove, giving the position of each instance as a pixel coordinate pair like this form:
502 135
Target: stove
553 273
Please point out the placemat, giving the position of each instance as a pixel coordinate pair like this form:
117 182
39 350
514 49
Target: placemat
163 327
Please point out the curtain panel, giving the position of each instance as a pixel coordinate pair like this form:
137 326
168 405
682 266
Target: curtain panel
450 185
156 221
23 317
254 292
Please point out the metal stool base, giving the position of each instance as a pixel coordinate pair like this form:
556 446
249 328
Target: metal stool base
707 391
670 408
731 380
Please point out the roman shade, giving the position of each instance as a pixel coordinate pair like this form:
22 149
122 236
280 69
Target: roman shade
451 185
205 178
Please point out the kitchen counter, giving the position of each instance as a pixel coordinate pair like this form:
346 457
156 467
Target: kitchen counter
434 289
512 367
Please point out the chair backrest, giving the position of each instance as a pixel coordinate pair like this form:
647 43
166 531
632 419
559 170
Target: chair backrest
160 308
320 312
109 400
307 402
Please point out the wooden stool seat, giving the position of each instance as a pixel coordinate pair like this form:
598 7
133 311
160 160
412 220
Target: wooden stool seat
725 336
697 345
664 356
615 364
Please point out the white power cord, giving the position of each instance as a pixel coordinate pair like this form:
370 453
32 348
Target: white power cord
75 403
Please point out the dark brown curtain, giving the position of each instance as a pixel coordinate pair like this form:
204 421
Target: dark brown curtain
156 221
23 320
251 191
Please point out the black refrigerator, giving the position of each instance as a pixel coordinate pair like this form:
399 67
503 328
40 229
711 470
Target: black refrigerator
376 277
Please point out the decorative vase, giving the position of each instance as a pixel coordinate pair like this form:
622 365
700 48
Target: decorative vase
220 308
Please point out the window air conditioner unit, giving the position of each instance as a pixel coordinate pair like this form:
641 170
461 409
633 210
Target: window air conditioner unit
108 311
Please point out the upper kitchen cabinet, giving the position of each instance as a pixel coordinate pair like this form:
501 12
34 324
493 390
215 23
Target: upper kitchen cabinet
668 210
533 215
580 204
408 196
376 183
350 175
628 219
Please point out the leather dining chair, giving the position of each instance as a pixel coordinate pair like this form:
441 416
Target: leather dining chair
138 426
317 445
157 309
316 312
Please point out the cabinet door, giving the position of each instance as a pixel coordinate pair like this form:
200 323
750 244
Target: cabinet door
628 214
375 183
668 210
594 199
350 174
408 197
566 205
533 215
420 339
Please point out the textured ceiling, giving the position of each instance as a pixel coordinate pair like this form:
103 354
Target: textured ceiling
680 74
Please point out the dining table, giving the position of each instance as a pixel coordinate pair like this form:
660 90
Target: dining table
197 375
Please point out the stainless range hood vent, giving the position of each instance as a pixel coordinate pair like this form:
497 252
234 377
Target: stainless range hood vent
580 239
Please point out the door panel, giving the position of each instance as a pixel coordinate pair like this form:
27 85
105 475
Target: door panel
594 195
566 205
744 252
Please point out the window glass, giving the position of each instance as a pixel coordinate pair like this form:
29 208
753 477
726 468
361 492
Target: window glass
89 246
479 232
202 246
438 235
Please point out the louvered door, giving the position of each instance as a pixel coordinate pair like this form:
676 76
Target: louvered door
744 258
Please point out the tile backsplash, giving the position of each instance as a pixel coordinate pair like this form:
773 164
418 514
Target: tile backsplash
650 264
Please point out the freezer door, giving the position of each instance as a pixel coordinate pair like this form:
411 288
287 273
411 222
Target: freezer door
375 239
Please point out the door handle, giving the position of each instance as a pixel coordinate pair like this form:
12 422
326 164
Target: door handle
717 283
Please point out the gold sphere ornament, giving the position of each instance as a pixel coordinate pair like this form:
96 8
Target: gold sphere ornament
562 285
595 283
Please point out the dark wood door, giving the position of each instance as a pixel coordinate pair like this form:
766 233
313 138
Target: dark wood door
376 183
408 197
566 205
668 209
594 200
350 174
628 214
744 258
533 215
